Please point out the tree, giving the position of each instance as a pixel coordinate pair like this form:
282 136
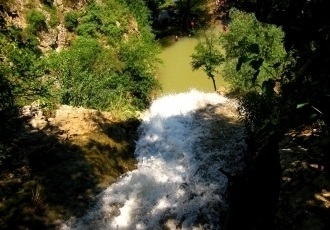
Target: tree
207 57
254 51
303 96
306 26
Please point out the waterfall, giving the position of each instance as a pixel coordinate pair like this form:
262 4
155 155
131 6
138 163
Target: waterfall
184 140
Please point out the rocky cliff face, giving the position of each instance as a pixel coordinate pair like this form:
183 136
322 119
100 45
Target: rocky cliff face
55 35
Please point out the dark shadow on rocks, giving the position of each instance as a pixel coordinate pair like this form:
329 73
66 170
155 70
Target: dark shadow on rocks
253 194
45 178
215 137
118 130
305 189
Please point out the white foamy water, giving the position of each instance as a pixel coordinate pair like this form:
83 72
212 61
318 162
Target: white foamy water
184 140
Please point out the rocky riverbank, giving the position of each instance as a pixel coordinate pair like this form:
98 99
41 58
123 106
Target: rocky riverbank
55 165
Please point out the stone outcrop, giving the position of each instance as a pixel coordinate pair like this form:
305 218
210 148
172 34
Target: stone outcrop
53 37
69 121
34 115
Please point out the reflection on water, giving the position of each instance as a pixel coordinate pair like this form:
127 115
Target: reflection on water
176 74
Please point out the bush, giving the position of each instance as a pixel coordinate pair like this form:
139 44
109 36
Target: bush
87 30
84 79
94 77
36 20
54 21
101 70
21 69
71 20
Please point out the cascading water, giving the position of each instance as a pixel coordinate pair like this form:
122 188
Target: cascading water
184 140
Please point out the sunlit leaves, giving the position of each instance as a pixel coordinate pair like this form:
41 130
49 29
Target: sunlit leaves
255 50
113 56
207 56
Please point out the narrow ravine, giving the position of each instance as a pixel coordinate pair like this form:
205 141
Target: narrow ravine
184 140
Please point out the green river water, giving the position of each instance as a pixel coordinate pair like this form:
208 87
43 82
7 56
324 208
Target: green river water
175 73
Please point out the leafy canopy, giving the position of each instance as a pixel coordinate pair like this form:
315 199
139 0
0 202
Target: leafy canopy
254 51
207 57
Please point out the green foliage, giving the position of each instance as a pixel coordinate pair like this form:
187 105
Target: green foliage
110 65
22 68
99 21
74 68
138 10
53 21
254 52
53 15
71 20
29 41
94 77
255 110
27 72
208 57
137 54
124 71
36 20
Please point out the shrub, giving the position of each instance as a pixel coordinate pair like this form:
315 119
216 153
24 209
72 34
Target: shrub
71 20
82 82
36 20
21 69
53 13
54 21
94 77
100 70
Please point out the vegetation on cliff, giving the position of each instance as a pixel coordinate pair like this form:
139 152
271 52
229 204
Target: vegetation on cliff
96 54
109 54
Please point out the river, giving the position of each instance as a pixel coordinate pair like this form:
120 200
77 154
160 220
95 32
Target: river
187 135
175 73
184 140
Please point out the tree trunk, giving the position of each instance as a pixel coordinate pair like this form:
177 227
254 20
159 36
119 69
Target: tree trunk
214 85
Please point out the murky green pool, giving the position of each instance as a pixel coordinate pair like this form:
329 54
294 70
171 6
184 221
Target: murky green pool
176 74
